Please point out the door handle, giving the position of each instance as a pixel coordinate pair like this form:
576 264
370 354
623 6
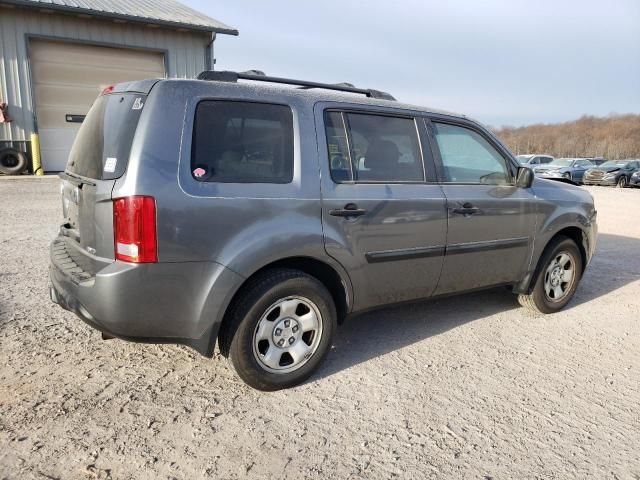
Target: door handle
349 210
466 209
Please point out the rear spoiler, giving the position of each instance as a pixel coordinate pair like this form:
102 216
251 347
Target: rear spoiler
139 86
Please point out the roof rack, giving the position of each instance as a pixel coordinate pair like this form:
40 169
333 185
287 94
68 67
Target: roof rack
257 75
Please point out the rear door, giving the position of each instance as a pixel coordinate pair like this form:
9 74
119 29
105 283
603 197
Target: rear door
99 155
491 220
384 218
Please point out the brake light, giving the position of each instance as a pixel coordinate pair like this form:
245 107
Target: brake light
107 90
134 229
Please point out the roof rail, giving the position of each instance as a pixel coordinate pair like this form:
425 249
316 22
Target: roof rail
257 75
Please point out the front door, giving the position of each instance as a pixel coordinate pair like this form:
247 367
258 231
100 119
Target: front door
382 220
491 220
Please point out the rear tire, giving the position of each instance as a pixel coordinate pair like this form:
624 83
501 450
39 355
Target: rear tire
557 277
279 329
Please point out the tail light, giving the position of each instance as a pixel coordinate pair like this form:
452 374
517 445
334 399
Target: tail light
134 229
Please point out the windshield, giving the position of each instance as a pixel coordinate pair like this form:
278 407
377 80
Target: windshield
562 162
522 159
615 163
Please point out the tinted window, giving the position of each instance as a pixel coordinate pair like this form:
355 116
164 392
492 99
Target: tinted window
242 142
101 148
338 147
376 149
467 157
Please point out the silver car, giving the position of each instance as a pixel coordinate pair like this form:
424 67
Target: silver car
572 169
236 211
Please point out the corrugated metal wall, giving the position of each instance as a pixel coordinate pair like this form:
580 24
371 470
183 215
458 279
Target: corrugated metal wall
185 53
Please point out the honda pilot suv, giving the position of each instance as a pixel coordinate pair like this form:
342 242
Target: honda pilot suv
235 211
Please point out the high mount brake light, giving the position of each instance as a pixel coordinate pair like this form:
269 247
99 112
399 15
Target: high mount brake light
107 90
134 229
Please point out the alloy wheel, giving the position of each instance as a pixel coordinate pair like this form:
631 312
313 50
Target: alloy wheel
287 335
559 276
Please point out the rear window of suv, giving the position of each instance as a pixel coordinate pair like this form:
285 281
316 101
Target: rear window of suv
102 146
242 142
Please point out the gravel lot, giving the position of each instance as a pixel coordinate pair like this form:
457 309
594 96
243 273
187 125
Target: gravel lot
465 387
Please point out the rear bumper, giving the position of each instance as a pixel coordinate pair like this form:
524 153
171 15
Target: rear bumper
153 303
550 176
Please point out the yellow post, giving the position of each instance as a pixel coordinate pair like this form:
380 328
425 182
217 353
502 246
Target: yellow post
35 155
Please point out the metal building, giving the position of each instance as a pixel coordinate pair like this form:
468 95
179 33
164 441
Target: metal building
56 56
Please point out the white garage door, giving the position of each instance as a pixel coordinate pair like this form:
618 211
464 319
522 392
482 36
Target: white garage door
67 78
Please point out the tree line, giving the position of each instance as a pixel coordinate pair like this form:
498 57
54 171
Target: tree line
614 137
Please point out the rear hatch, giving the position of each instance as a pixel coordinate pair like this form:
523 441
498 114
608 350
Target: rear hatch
99 156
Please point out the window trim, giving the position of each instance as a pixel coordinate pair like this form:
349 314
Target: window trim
235 100
407 116
435 148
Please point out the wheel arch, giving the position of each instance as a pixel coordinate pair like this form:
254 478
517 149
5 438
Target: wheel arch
575 233
337 283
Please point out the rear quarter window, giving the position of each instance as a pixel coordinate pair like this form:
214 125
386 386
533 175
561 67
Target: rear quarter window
242 142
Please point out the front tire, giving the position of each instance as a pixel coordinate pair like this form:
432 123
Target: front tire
557 277
622 182
279 329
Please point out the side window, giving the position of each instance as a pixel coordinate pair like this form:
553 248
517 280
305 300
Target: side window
375 148
384 149
338 147
467 157
546 159
242 142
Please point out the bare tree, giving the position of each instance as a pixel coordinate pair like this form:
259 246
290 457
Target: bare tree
613 137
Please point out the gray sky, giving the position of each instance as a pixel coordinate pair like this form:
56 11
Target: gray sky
510 62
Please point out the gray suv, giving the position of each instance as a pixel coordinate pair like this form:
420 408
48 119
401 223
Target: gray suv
260 216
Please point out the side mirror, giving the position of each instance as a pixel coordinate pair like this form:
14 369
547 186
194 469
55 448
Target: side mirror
524 178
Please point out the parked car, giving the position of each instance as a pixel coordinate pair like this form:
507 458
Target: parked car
534 160
564 168
635 179
258 217
613 172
